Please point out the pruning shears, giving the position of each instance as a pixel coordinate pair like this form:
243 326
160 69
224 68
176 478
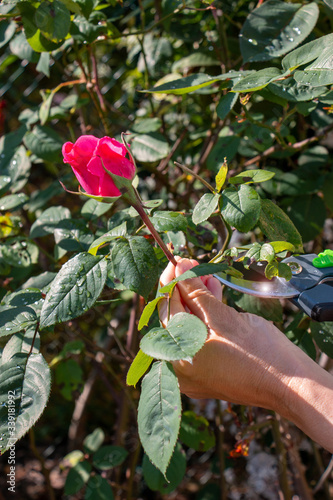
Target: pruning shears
310 288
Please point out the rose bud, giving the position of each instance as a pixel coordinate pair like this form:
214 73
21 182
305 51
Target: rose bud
89 157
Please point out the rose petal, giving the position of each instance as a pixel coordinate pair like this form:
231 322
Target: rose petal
114 145
116 163
88 181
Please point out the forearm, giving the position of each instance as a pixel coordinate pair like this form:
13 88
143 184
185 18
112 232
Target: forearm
308 401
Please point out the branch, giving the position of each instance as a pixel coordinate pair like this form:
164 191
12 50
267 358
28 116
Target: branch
291 147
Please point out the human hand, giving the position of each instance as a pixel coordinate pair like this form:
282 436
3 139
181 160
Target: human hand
247 360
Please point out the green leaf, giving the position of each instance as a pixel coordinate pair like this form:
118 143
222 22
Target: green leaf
87 31
175 472
308 213
307 53
22 342
69 378
149 148
73 6
280 269
226 147
44 110
257 80
33 34
93 441
30 297
77 477
195 432
73 457
221 175
227 102
14 163
196 59
98 488
284 271
205 207
53 20
323 336
138 368
146 125
293 91
75 289
24 386
182 338
93 209
5 182
297 333
15 319
191 83
135 264
259 252
40 197
276 225
314 78
169 221
115 233
195 272
275 28
241 208
249 176
148 311
7 30
296 183
108 457
44 142
19 252
44 65
13 202
329 3
159 414
72 235
48 220
281 246
22 49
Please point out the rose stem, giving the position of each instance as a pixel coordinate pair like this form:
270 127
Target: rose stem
139 208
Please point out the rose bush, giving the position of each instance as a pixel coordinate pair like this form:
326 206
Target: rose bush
87 157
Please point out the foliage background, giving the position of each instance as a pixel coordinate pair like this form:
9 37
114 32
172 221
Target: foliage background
75 67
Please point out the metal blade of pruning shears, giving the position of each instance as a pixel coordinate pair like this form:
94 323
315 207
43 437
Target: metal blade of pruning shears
275 288
310 288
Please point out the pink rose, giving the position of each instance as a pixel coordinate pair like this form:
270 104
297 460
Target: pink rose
85 159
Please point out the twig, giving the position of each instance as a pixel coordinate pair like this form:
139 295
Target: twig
96 82
298 473
220 450
282 459
208 146
324 477
218 14
33 339
40 458
80 405
194 174
165 161
132 470
132 337
296 146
